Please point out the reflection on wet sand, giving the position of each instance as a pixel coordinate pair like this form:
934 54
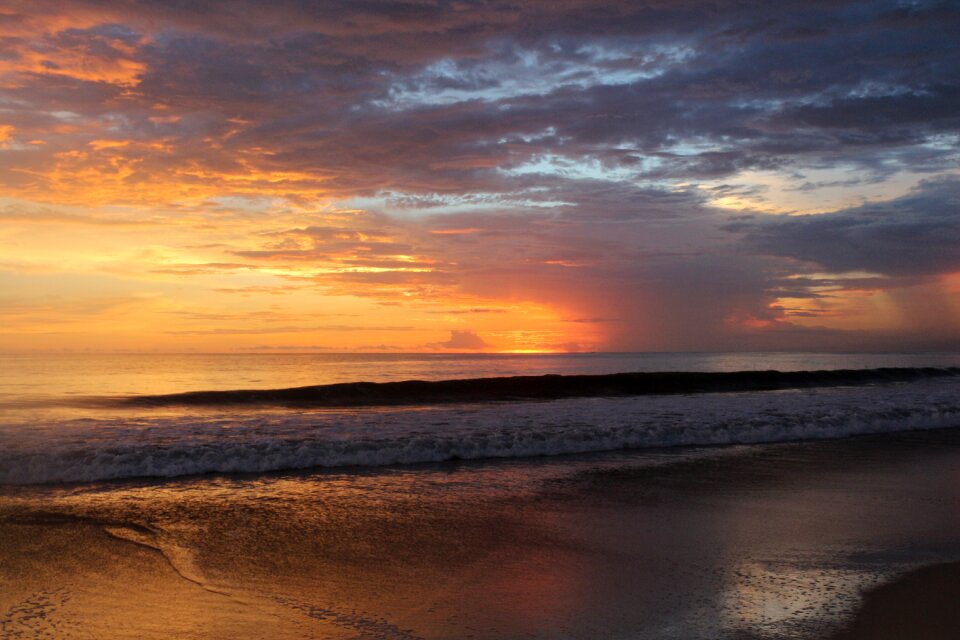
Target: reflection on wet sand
748 542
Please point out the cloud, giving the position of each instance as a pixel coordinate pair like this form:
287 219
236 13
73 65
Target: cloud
451 158
648 89
915 235
465 340
568 347
45 216
338 328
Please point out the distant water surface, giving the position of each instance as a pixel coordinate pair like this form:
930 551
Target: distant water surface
52 377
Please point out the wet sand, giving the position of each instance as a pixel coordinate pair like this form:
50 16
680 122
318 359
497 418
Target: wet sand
771 541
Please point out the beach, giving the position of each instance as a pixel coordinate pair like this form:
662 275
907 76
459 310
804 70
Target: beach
211 497
763 541
473 320
447 320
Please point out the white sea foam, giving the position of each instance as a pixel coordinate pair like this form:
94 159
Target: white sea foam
140 444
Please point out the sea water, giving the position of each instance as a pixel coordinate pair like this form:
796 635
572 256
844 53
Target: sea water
57 423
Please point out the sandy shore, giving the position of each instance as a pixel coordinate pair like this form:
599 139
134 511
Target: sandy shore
775 541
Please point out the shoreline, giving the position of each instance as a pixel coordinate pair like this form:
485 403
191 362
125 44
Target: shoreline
772 541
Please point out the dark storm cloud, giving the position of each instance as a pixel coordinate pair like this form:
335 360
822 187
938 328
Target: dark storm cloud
915 235
767 85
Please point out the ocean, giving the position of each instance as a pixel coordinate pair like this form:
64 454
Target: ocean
137 501
66 418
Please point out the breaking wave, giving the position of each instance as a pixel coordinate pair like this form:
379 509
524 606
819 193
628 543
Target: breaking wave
546 387
142 443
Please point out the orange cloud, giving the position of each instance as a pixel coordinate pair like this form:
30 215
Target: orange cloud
111 62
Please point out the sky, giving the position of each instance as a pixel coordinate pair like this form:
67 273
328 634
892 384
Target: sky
572 175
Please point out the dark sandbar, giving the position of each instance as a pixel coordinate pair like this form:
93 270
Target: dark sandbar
921 604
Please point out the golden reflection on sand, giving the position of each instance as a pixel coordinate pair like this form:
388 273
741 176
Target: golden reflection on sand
770 541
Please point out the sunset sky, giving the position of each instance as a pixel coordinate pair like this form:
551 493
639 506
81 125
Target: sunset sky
495 176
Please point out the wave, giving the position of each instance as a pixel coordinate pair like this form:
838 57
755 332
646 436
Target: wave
253 442
546 387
